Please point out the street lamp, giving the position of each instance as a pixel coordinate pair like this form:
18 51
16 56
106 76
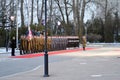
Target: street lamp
58 28
12 18
45 50
59 23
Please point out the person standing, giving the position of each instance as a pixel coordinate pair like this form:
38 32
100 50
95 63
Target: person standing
13 46
84 41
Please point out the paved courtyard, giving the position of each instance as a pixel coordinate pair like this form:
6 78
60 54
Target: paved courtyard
101 63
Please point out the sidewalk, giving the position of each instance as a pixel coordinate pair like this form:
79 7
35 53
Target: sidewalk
86 65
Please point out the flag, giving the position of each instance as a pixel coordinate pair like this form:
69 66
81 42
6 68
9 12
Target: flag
29 36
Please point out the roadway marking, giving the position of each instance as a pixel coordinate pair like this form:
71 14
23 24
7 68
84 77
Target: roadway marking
36 68
96 75
12 75
83 63
7 59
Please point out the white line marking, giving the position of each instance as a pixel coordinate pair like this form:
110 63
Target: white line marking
21 72
97 75
83 63
36 68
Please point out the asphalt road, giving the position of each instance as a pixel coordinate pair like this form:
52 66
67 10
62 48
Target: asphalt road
13 66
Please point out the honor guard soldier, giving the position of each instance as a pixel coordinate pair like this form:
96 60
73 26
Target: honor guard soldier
13 46
84 42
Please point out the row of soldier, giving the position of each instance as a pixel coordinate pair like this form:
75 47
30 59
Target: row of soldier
36 44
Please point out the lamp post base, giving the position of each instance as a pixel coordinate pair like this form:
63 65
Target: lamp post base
46 64
46 76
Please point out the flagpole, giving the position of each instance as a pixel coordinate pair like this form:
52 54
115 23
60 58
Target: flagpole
28 15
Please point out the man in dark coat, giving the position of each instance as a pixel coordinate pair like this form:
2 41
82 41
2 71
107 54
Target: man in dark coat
13 46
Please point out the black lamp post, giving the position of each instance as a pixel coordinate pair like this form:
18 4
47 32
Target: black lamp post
45 50
59 28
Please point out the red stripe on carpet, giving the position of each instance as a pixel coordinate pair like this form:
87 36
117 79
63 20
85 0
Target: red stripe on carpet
50 53
116 50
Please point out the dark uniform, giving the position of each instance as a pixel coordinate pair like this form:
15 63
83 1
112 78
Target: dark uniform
13 46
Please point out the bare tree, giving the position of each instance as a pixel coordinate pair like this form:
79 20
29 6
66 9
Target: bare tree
79 7
76 15
40 10
107 8
61 11
32 8
51 9
22 13
66 11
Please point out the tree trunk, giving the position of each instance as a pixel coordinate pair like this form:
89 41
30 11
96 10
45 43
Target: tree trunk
22 14
51 9
61 11
74 8
81 33
76 15
106 4
40 12
68 28
66 11
32 12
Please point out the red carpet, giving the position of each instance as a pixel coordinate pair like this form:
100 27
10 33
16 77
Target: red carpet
116 50
50 53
